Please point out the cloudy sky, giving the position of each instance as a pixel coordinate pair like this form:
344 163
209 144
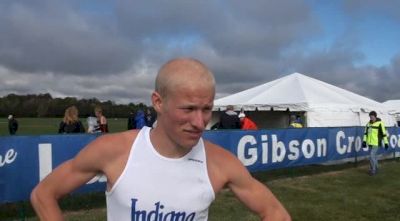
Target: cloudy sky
112 50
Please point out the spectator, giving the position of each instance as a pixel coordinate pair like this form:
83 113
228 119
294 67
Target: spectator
131 120
229 119
294 122
247 124
102 125
374 134
12 124
92 124
71 122
150 117
140 120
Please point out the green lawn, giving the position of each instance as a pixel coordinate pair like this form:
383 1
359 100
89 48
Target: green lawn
41 126
320 193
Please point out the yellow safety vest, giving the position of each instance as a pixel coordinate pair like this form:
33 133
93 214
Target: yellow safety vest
296 125
374 133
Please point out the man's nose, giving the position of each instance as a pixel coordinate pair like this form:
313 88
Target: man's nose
198 120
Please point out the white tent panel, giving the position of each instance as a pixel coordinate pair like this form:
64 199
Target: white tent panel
332 119
324 105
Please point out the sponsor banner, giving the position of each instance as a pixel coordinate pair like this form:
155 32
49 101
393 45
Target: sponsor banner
25 160
271 149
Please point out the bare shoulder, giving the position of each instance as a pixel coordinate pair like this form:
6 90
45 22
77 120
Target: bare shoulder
222 165
108 151
217 154
116 140
113 143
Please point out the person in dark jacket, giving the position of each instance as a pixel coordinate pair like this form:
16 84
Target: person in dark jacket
71 122
229 119
131 121
140 120
150 117
12 125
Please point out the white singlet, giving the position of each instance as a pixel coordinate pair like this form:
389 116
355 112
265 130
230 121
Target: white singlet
155 188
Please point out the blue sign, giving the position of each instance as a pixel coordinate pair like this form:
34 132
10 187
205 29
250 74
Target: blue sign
25 160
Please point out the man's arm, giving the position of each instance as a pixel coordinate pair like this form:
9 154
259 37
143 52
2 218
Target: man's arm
255 195
226 169
69 176
384 134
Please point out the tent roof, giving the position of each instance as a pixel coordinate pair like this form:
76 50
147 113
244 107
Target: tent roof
392 105
295 92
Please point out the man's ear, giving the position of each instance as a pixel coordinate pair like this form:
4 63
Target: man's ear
157 101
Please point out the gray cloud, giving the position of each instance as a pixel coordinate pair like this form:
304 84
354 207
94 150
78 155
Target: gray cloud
112 51
48 37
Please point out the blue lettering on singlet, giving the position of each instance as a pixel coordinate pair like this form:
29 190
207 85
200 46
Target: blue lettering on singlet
158 214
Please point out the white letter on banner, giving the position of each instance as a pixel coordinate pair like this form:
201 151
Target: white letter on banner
252 151
393 140
264 145
350 141
294 150
357 144
398 139
304 147
339 136
278 150
321 147
9 157
45 160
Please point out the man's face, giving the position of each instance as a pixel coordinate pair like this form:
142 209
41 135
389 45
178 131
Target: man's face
185 113
372 118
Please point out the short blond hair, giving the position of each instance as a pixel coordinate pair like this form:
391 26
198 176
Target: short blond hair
187 69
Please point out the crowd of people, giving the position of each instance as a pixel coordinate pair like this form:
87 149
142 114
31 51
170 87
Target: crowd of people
230 119
140 119
95 124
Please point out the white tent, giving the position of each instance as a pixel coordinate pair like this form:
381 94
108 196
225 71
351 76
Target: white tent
394 107
320 104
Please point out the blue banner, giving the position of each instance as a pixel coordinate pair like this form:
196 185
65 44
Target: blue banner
25 160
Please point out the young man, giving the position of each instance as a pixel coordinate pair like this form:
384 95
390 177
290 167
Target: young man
166 173
374 134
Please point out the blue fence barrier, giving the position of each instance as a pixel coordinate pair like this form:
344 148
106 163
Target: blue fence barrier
25 160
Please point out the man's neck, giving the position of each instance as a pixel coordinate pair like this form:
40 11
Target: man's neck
164 146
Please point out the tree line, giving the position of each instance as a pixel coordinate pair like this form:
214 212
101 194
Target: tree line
44 105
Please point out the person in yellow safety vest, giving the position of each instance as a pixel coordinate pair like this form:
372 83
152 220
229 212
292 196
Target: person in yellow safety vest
294 123
374 134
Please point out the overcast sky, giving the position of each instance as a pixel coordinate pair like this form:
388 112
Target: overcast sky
112 50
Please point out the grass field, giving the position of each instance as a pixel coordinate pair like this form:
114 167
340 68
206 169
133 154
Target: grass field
320 193
41 126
